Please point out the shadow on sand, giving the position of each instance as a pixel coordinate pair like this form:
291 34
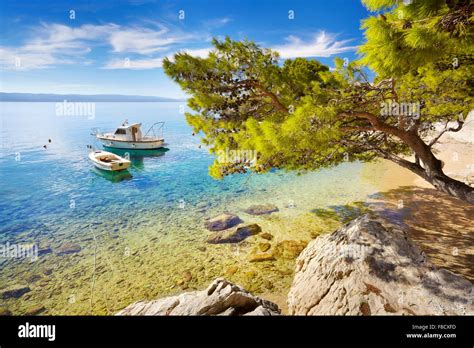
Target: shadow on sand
442 226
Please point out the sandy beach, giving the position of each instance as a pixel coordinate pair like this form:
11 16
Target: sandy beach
440 224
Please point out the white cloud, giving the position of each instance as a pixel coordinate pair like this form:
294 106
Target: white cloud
134 64
145 41
146 46
56 44
198 52
216 22
321 45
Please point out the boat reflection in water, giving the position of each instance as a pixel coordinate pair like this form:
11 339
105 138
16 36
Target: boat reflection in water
113 176
137 156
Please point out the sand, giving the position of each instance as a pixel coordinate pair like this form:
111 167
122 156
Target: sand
440 224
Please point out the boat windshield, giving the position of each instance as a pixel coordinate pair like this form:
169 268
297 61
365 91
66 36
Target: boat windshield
120 131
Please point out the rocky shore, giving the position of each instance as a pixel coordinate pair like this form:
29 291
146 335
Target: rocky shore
366 267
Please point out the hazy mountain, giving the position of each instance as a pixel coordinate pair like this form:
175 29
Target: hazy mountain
40 97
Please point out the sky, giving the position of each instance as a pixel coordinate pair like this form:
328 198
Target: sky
117 47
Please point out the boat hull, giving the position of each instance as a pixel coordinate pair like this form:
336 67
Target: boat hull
118 163
146 145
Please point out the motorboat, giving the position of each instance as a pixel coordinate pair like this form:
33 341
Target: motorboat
108 161
129 136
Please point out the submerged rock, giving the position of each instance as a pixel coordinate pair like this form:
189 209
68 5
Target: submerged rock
261 257
261 209
289 249
234 235
369 267
35 310
68 248
44 249
4 312
232 270
14 291
220 298
266 235
47 271
222 221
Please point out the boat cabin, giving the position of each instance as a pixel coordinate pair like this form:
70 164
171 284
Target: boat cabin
128 132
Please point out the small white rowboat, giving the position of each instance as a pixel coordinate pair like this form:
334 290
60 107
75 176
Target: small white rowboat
108 161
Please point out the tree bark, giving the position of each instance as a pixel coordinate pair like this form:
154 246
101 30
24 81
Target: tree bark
438 179
430 168
433 170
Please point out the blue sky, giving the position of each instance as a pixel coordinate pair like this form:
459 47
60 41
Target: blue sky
116 47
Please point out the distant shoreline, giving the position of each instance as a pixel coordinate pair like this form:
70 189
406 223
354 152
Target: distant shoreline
106 98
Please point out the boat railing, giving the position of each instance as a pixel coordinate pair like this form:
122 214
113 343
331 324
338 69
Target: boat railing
95 131
152 131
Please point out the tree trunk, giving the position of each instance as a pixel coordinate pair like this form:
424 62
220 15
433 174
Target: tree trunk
453 187
432 170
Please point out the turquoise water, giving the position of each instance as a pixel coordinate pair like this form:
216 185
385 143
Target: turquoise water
52 196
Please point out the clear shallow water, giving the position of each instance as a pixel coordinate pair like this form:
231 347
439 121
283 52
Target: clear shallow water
145 233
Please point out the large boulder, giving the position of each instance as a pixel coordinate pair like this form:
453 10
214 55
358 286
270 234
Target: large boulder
369 267
220 298
222 221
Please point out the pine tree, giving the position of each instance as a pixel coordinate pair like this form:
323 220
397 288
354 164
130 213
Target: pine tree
301 116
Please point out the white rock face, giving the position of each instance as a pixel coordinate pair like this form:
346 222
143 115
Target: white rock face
369 267
220 298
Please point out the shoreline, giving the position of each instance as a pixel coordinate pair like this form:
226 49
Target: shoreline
447 239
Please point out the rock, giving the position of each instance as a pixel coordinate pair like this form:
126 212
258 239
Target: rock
42 250
232 270
268 284
220 298
266 235
369 267
15 291
264 246
33 278
35 310
289 249
187 276
261 257
222 221
68 248
202 248
261 209
47 271
235 235
4 312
